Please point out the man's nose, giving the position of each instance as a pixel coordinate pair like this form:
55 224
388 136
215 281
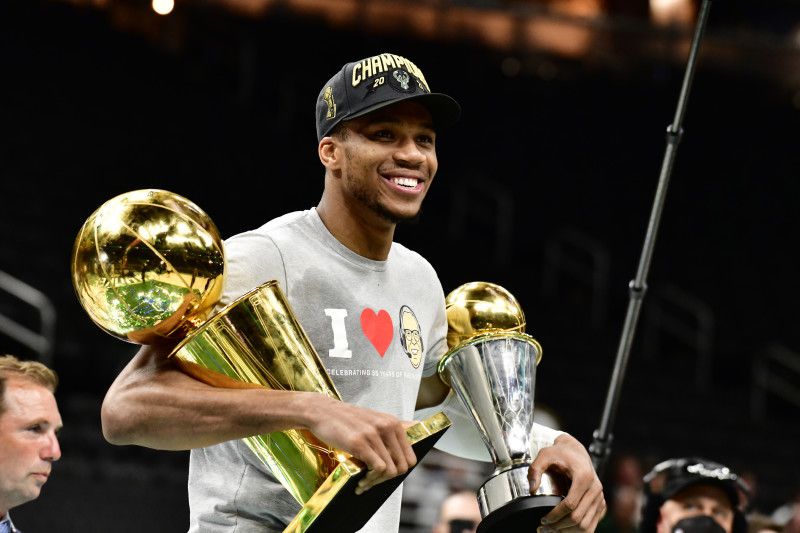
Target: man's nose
409 152
52 450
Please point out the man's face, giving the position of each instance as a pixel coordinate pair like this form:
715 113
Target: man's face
695 501
28 443
389 161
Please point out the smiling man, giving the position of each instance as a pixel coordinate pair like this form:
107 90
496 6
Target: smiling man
29 421
373 309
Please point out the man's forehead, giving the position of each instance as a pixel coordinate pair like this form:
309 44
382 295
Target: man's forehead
26 397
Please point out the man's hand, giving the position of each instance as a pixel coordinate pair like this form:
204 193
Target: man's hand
378 439
584 504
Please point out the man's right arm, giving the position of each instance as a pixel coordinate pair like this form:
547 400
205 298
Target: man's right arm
153 403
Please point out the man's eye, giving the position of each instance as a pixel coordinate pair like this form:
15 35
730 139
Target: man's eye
425 139
382 134
36 428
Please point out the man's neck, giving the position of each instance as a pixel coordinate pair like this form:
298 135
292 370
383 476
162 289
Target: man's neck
368 238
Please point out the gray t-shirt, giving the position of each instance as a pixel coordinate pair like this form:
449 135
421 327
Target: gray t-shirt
366 320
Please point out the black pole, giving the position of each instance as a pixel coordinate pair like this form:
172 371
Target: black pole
601 445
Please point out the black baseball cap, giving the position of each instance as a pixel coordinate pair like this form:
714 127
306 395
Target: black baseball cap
670 477
371 83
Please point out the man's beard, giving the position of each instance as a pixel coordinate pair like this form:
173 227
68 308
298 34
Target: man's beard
363 195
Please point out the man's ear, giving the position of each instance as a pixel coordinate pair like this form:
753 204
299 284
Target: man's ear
329 152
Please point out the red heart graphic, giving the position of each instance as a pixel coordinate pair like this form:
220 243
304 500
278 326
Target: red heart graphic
378 328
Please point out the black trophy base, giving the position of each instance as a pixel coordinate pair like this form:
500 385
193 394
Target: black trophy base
519 515
349 512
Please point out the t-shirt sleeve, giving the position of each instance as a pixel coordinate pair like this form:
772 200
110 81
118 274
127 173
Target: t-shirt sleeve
251 259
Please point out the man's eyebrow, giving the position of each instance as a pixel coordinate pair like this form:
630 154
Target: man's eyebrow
46 423
391 119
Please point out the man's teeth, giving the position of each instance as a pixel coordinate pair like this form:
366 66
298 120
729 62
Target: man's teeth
406 182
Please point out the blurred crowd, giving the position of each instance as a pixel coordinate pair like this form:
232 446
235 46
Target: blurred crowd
677 495
626 495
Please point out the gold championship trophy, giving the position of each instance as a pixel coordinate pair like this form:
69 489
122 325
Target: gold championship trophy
148 265
491 366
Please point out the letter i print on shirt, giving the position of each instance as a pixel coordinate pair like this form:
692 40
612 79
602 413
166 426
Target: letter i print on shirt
340 346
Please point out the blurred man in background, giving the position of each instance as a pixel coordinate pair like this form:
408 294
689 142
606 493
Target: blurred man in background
458 513
29 421
692 495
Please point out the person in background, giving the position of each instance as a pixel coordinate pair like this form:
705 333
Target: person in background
29 422
458 513
693 495
625 494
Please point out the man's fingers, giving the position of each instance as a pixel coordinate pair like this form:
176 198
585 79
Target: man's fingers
378 461
408 451
534 479
595 514
581 513
391 443
539 465
560 516
588 523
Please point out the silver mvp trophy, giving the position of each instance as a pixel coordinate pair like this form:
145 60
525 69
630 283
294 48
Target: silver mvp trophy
491 367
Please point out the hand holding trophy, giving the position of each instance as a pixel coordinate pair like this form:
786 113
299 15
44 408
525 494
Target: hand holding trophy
149 266
491 366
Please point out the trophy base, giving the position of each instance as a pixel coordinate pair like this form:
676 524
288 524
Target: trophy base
507 505
520 515
336 507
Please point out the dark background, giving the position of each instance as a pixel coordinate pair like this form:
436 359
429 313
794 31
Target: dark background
553 154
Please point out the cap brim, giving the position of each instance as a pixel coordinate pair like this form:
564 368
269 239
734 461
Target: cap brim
444 109
726 487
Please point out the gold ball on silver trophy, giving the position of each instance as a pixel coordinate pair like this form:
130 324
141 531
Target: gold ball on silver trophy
481 307
148 265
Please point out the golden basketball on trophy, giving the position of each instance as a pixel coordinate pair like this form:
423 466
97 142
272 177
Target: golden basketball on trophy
148 265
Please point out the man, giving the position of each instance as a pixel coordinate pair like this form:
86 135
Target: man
458 513
29 421
692 495
347 282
